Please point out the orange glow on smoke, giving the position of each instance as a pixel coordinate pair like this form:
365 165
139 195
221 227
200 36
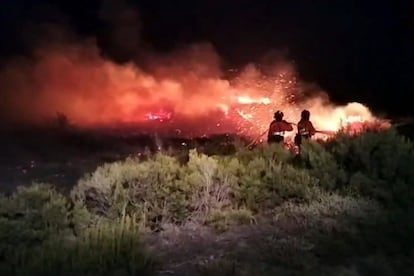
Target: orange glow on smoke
184 90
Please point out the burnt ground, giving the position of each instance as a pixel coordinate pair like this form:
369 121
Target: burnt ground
50 157
62 156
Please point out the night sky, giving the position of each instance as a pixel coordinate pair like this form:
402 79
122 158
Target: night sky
356 50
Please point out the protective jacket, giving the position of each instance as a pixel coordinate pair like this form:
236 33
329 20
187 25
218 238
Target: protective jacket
305 131
277 131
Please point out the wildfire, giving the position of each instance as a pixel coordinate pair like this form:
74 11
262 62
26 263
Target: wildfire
244 115
161 115
250 100
90 90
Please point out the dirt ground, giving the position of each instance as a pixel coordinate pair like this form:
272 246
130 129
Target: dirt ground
280 247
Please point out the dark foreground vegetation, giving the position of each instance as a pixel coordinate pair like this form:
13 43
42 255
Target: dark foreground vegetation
345 207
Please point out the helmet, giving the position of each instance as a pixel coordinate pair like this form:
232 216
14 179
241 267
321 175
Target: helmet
305 115
278 115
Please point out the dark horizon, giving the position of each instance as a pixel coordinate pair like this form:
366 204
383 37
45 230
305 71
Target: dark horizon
355 51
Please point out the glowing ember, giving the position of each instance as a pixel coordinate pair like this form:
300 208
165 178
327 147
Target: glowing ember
244 115
161 115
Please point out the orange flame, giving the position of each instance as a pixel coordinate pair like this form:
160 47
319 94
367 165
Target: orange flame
250 100
90 90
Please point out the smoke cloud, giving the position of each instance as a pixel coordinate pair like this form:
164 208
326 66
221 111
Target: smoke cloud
73 78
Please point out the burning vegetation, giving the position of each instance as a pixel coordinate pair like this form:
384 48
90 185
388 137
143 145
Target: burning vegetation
185 91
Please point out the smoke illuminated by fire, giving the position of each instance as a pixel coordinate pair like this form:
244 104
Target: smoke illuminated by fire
185 90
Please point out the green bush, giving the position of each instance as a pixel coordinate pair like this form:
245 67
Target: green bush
162 190
106 249
42 233
151 189
378 164
266 183
322 165
31 216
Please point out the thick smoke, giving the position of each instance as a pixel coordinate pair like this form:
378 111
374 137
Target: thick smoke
74 79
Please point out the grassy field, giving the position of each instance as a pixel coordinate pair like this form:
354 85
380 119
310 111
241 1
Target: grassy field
79 203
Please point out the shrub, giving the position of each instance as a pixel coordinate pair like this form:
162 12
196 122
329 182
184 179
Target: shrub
322 165
161 189
31 216
378 164
266 183
149 189
200 174
275 152
106 249
328 215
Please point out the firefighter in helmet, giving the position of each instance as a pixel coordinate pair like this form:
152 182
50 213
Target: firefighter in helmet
305 128
277 128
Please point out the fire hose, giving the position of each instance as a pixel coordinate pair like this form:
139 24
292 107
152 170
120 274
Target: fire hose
255 140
